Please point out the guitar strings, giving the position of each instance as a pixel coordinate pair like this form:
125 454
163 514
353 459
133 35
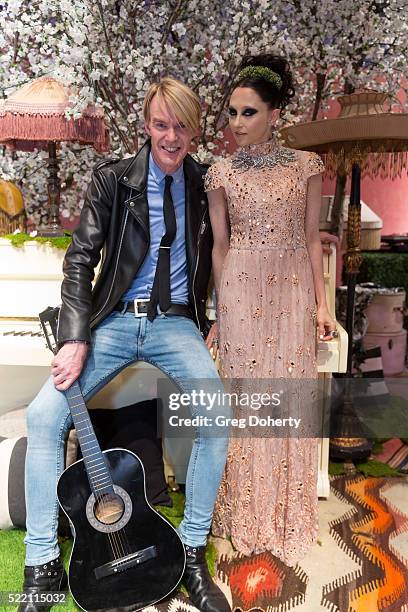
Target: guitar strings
118 541
117 544
121 545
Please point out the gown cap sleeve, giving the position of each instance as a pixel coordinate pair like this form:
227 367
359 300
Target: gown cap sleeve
213 178
314 165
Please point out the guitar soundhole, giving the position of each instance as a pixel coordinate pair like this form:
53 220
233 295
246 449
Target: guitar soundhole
109 508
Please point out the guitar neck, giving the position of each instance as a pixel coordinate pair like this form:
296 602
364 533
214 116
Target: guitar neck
98 473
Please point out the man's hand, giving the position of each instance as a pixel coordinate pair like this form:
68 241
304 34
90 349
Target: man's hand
326 239
68 363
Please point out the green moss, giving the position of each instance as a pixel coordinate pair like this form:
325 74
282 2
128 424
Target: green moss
175 513
59 242
211 555
336 468
376 469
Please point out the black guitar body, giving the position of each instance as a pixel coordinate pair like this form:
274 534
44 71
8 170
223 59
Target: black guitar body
124 551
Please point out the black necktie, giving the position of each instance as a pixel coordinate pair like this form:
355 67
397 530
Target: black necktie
161 284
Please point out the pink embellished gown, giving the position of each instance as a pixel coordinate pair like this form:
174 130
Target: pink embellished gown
267 500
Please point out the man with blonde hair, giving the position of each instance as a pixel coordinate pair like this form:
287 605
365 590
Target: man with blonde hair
149 215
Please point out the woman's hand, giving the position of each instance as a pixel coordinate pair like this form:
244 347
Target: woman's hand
212 340
326 324
326 239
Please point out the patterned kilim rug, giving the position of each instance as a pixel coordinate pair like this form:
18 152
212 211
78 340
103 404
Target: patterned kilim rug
360 563
262 582
369 534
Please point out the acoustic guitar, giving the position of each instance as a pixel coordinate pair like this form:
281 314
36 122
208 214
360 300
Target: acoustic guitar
125 556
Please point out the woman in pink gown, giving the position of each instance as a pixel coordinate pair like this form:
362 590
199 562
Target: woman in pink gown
267 263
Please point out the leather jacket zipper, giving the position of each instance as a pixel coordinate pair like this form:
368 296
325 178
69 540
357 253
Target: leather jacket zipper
58 324
116 266
200 233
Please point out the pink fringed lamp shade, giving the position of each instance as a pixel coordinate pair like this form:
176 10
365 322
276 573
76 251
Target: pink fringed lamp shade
35 114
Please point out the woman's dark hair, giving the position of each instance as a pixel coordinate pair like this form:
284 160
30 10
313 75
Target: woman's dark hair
267 91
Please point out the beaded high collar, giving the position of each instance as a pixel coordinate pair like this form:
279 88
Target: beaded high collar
260 148
267 154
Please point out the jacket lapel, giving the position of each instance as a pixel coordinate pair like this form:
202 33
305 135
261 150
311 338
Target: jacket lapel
135 178
196 204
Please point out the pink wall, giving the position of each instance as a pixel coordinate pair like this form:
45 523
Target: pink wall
387 198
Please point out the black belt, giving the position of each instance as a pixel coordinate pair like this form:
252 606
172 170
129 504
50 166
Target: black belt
140 307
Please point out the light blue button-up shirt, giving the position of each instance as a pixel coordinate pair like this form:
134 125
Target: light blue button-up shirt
143 283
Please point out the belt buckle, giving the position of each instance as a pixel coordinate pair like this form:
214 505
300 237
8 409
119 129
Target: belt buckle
136 307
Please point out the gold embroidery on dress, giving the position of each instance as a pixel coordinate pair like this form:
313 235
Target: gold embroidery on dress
267 498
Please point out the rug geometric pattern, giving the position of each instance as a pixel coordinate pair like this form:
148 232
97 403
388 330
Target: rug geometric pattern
262 582
367 534
372 534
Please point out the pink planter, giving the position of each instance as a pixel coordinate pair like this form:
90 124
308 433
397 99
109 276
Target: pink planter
393 349
385 313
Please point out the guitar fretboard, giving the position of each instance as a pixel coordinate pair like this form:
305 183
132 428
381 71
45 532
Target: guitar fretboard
98 474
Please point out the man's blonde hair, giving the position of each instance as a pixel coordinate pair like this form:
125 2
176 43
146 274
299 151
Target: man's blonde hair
180 99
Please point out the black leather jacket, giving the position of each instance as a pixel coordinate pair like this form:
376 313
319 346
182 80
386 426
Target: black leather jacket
115 221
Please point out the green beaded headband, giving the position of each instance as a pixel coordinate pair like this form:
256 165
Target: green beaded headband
261 72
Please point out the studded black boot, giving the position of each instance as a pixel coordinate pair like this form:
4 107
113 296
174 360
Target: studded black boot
204 594
38 579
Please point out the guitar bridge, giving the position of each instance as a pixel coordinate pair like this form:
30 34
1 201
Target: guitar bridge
124 563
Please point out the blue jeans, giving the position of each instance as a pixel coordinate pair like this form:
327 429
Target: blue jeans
174 345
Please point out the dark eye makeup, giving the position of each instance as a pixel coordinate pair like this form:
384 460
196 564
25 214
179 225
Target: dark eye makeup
248 112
